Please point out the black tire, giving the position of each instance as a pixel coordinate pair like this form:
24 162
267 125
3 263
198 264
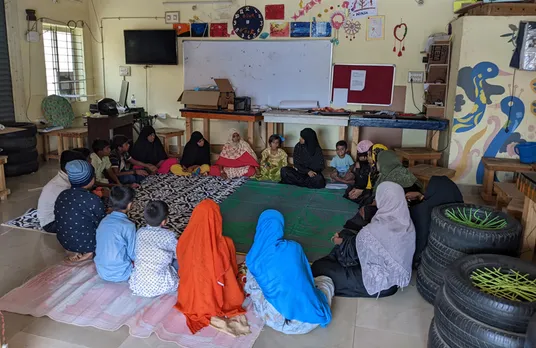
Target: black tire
426 286
22 156
442 253
20 169
30 130
495 311
530 341
9 145
434 338
432 268
471 240
460 330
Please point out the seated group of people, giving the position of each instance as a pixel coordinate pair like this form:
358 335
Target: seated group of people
372 257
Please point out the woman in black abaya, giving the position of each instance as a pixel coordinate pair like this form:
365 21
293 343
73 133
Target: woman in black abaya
308 163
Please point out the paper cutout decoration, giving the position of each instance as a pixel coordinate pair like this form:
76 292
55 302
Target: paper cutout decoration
264 36
400 32
363 8
351 28
321 29
199 29
182 29
305 8
248 22
300 29
279 29
337 20
274 11
218 30
375 28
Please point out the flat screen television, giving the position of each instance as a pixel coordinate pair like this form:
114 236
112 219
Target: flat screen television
151 47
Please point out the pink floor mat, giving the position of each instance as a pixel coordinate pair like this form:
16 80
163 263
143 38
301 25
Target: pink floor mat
74 294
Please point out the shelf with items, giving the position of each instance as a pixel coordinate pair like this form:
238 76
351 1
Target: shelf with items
436 79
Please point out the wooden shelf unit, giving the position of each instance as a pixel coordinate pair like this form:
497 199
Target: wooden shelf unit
436 80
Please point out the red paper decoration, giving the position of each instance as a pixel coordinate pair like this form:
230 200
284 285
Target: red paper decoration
400 32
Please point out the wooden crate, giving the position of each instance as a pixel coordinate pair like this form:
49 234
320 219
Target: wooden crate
499 9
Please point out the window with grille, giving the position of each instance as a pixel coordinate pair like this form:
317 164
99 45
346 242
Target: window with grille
64 61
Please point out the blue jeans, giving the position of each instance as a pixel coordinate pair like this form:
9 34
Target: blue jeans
130 179
175 264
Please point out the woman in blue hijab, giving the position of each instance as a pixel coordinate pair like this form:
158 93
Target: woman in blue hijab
280 282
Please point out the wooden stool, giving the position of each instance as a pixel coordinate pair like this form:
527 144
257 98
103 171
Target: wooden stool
515 207
4 191
492 165
165 134
424 172
506 192
65 136
414 154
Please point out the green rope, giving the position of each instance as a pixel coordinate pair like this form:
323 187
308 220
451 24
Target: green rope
510 285
473 218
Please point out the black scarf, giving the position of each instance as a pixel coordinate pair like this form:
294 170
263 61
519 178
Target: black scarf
311 140
193 154
308 156
147 152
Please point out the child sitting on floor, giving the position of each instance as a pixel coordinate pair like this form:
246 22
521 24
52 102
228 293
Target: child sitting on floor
273 158
78 212
122 162
116 238
100 161
154 272
342 164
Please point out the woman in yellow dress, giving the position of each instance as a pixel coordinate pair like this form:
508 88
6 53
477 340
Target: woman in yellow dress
273 158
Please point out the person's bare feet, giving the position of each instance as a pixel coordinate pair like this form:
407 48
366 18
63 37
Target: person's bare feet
78 257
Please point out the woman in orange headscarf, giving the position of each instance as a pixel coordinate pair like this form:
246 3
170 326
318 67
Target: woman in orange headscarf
207 270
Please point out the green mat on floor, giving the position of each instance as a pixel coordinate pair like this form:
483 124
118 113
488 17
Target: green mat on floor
311 216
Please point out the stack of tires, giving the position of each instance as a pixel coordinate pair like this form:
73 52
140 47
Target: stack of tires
20 149
450 240
465 316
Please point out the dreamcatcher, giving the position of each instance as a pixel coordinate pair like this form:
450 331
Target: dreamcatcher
400 37
337 21
351 28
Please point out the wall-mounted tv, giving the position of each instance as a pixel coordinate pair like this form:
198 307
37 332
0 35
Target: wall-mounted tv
151 47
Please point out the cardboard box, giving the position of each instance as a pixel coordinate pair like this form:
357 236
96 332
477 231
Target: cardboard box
212 99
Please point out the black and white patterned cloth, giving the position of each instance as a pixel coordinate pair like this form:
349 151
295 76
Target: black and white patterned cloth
182 194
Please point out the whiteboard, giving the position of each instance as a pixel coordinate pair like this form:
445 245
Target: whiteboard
267 71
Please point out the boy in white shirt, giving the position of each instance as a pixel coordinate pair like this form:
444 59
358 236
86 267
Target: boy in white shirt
51 191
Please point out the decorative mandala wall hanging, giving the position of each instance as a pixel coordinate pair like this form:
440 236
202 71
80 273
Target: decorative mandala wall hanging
248 22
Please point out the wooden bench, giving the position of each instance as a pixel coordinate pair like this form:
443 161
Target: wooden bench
506 192
515 207
67 138
492 165
4 191
418 154
424 172
166 134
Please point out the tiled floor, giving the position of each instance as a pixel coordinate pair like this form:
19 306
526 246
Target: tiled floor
399 321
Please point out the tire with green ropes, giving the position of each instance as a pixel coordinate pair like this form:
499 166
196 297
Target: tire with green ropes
497 290
473 229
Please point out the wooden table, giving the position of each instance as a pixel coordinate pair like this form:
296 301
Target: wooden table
424 172
4 191
165 134
414 154
207 115
492 165
106 127
526 183
302 117
506 192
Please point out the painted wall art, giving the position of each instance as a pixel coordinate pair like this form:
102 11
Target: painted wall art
248 22
337 20
199 29
320 29
351 28
279 29
400 32
305 7
375 28
219 30
362 8
182 29
274 11
300 29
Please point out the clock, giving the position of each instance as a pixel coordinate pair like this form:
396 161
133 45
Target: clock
248 22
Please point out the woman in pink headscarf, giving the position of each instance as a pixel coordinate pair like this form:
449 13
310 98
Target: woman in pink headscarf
236 159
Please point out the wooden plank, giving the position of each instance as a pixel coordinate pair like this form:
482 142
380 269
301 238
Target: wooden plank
206 129
342 133
4 191
269 131
250 134
355 141
528 221
229 117
188 125
9 130
506 165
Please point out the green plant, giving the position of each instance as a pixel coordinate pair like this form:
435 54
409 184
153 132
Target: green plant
473 217
510 284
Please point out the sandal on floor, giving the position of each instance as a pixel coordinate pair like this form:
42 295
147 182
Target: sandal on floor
79 257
